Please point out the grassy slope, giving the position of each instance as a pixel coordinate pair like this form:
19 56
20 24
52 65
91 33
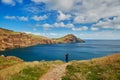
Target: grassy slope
105 68
6 31
37 37
63 39
27 70
10 32
8 61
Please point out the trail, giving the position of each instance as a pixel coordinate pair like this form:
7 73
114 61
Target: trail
55 74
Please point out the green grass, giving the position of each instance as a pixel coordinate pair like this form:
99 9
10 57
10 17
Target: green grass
30 73
93 71
28 70
34 70
8 61
6 31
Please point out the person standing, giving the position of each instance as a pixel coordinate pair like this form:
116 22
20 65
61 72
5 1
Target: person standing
67 57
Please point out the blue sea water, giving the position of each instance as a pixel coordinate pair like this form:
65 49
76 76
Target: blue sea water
77 51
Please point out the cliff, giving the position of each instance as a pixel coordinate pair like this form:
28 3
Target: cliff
10 39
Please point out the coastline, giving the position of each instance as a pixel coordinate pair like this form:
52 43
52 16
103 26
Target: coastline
10 39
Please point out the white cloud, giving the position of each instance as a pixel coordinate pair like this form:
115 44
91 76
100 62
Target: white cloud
33 8
47 26
83 28
91 11
109 23
61 24
85 19
85 11
106 34
11 2
63 5
70 25
38 18
63 16
23 18
94 28
57 25
57 4
10 17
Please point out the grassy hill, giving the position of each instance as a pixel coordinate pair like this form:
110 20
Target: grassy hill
8 61
6 31
70 38
104 68
16 69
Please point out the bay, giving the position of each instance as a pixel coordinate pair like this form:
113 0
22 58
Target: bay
77 51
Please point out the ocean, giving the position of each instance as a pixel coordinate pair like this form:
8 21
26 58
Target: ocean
77 51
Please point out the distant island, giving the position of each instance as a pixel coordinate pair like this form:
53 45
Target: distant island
10 39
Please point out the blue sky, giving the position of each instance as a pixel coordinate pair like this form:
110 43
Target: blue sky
87 19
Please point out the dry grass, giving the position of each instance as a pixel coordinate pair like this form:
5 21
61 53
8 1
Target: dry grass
27 69
105 68
8 61
107 59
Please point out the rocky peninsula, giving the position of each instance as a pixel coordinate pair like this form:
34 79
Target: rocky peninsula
10 39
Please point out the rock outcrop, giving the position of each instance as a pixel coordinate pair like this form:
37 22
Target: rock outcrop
10 39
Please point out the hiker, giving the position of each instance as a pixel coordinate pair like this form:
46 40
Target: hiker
67 57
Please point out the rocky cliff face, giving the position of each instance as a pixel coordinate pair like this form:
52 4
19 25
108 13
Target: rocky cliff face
10 39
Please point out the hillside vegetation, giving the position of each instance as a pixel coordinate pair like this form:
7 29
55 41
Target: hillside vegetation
10 39
27 70
8 61
105 68
70 38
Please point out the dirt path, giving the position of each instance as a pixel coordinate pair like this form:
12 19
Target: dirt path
55 74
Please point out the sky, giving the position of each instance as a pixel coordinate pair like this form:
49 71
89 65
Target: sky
87 19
